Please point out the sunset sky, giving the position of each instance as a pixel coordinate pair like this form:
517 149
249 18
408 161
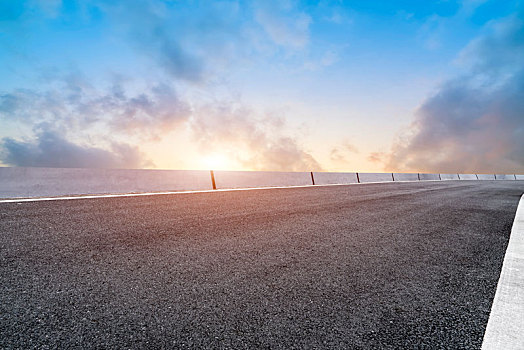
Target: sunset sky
424 86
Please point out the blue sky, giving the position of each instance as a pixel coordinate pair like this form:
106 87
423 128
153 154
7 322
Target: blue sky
263 85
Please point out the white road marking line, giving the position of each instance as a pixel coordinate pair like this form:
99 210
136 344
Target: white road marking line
505 329
93 196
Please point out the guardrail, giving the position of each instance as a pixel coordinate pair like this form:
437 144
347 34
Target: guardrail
40 182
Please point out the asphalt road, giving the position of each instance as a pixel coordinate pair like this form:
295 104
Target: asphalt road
376 266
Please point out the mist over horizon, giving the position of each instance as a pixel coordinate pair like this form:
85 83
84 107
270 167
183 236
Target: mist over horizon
434 87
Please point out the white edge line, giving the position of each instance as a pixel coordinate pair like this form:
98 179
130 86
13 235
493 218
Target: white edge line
506 319
94 196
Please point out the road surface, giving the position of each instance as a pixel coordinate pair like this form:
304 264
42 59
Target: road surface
393 265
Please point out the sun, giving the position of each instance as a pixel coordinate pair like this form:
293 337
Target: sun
216 162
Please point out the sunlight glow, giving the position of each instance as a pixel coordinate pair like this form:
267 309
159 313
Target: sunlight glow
216 162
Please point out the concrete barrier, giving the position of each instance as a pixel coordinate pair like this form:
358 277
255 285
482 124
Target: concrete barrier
504 177
45 182
246 179
40 182
406 176
375 177
468 177
427 177
324 178
449 177
486 176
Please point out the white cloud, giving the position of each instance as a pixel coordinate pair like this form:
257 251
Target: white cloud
474 122
285 25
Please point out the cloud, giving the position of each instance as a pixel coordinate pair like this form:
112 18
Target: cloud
93 115
339 154
474 122
284 24
153 113
50 149
431 32
255 143
189 42
189 46
179 63
501 51
87 115
151 28
327 59
74 104
376 157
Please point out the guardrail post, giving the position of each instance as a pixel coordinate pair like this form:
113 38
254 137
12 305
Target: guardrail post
213 179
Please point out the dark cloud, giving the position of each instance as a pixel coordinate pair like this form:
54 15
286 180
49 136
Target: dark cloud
50 149
475 122
256 143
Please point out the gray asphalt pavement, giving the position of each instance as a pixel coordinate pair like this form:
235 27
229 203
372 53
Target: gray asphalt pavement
377 266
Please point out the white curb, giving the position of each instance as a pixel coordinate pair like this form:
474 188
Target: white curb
505 329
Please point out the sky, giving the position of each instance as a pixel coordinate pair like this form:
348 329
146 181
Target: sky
404 86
